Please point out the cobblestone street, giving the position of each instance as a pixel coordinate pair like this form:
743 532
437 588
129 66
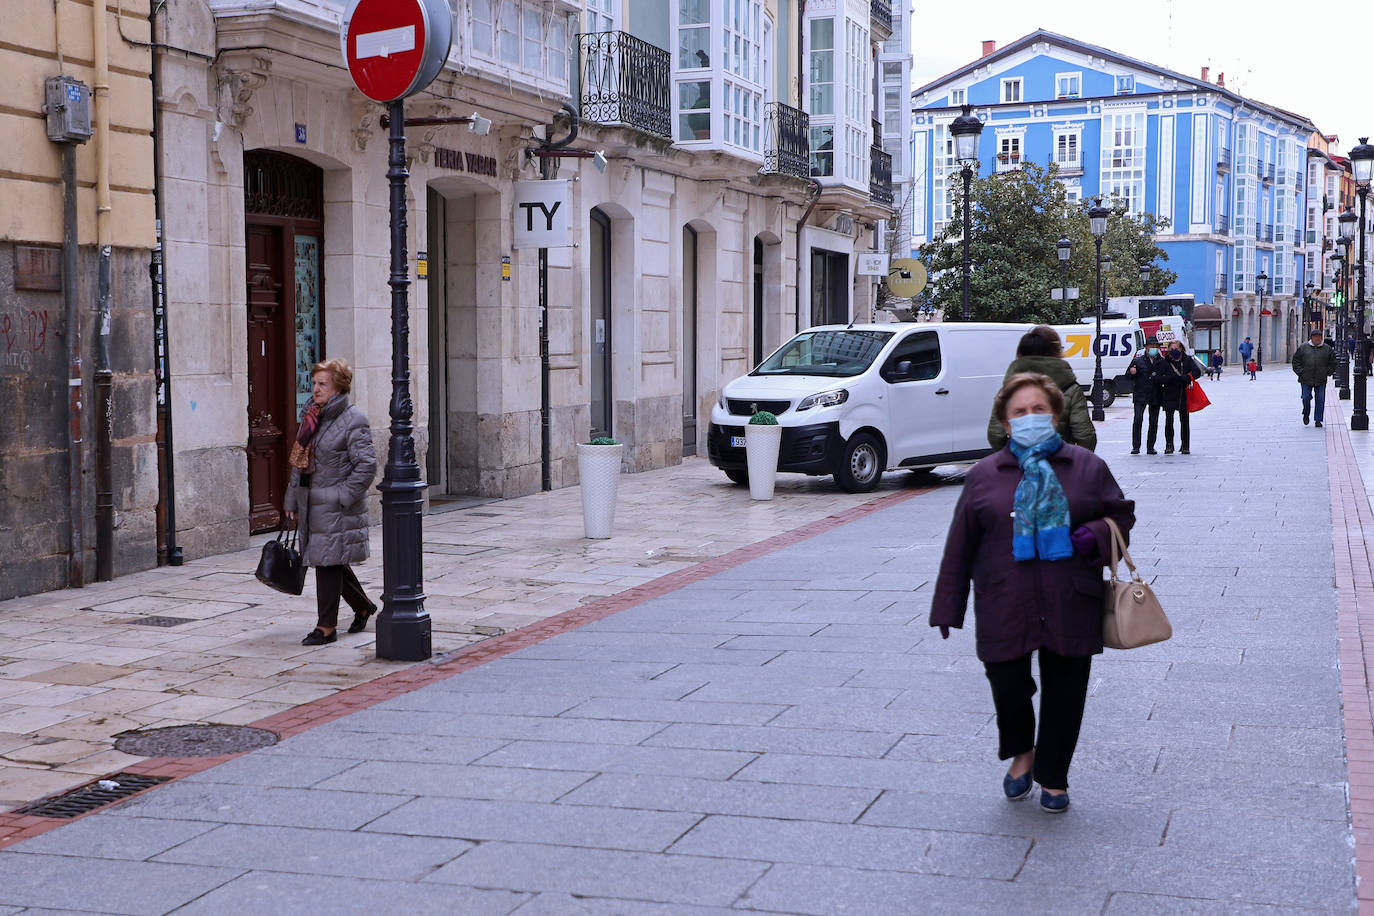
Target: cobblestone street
772 727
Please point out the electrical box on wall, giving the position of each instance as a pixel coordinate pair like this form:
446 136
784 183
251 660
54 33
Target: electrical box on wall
67 104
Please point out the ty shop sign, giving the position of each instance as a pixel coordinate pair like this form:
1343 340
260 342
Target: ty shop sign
541 214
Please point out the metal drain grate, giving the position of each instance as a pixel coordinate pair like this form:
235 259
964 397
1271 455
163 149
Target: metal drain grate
87 798
157 621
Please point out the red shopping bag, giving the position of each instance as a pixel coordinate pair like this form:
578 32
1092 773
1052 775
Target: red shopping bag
1197 398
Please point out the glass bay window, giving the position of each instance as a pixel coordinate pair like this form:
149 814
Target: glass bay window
722 78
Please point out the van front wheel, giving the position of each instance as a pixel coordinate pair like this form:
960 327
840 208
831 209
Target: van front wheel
861 464
1108 392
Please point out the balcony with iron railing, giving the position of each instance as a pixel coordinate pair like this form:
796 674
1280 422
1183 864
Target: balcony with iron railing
879 176
881 13
1224 224
1223 284
1268 233
625 81
787 149
1223 161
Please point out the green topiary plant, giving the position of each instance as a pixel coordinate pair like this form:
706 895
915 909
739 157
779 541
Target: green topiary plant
603 440
763 418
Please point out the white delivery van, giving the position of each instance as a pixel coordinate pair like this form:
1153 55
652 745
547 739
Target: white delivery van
856 401
1120 342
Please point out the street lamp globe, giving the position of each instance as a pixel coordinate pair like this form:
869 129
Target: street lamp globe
1260 279
1097 218
1362 161
1145 270
965 129
1347 221
1063 248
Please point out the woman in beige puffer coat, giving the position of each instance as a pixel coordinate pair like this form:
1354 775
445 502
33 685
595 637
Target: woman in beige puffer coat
333 466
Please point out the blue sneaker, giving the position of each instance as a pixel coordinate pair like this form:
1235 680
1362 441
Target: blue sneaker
1054 804
1017 788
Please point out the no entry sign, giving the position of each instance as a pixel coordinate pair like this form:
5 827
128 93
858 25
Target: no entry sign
395 48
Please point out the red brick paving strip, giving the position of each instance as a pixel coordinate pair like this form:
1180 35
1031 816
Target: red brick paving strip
1351 518
17 827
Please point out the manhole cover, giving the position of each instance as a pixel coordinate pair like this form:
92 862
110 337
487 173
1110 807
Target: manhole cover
194 741
157 620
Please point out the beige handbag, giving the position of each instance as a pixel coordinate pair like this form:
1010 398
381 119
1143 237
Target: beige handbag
1133 615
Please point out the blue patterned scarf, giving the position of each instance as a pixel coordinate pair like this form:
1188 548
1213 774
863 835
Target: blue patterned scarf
1041 524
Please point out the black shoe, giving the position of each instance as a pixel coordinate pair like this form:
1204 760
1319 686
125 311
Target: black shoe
1168 449
316 637
1304 419
1318 424
1054 804
1017 788
1183 451
360 620
1135 451
1150 451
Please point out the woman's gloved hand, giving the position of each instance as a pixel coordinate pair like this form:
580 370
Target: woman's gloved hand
1084 541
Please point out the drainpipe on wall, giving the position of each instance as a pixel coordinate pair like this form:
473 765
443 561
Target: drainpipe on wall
76 491
815 195
546 167
104 376
168 550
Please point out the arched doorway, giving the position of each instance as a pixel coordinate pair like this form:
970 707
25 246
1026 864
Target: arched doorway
283 241
599 258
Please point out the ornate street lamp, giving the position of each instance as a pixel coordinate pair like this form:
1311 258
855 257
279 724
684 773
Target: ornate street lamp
965 131
1097 225
1362 161
1261 279
1063 249
1342 350
1310 319
1145 270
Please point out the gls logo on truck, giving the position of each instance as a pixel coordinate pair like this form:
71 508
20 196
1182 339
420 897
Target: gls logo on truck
1112 343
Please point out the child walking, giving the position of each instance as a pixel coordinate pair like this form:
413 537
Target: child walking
1252 367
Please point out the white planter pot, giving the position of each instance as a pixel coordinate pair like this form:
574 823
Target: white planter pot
761 445
598 470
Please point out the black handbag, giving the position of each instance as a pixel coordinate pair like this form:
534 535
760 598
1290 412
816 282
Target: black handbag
280 567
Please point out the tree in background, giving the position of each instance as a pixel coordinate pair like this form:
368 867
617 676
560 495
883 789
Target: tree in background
1018 217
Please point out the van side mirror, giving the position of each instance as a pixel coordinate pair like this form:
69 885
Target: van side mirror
901 371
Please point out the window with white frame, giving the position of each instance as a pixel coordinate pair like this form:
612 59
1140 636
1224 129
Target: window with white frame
893 45
721 72
1073 194
1011 89
524 35
1123 158
1068 85
821 67
857 58
1066 149
943 171
600 15
1008 152
1125 84
822 150
856 154
1243 276
958 97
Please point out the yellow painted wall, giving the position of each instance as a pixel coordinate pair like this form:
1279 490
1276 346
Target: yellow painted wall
31 164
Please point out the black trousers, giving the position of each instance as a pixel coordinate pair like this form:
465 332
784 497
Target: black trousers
331 583
1065 683
1169 426
1140 408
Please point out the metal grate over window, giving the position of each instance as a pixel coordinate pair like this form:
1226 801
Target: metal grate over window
87 798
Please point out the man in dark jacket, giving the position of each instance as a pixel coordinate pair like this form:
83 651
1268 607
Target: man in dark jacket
1145 394
1247 349
1314 362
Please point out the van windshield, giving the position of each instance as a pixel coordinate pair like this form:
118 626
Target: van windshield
836 353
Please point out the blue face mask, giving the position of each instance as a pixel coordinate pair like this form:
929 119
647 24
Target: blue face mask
1153 351
1032 429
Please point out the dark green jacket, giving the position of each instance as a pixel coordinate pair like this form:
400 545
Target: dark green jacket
1076 425
1314 365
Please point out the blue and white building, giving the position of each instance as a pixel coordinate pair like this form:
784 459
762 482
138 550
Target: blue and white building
1227 172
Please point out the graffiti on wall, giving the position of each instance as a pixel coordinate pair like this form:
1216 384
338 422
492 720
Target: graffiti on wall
24 333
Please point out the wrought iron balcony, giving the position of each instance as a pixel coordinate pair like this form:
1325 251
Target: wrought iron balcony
1224 224
788 149
879 176
882 14
1269 233
1223 286
626 80
1223 161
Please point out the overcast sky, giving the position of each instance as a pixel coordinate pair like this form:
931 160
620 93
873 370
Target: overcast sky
1306 58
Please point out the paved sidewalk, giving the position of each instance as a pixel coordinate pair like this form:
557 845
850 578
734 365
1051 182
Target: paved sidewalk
788 736
206 643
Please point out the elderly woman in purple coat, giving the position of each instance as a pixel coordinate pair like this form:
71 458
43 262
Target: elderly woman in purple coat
1029 533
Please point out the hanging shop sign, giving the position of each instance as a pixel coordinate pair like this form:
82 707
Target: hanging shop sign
872 264
906 277
541 214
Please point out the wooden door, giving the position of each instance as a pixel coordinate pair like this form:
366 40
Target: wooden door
270 417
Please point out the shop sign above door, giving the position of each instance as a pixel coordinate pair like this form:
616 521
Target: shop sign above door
395 48
541 214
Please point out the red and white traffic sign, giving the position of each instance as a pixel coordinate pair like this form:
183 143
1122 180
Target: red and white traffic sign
395 48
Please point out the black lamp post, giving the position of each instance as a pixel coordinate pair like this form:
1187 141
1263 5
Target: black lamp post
403 632
1261 279
1145 270
1343 326
1063 249
1310 320
965 131
1362 161
1097 225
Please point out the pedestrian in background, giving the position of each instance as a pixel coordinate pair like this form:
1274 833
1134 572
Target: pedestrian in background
1145 394
1252 367
1174 376
1041 350
333 465
1313 363
1247 349
1218 361
1029 534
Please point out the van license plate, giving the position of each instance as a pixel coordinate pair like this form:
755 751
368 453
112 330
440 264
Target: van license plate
737 442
